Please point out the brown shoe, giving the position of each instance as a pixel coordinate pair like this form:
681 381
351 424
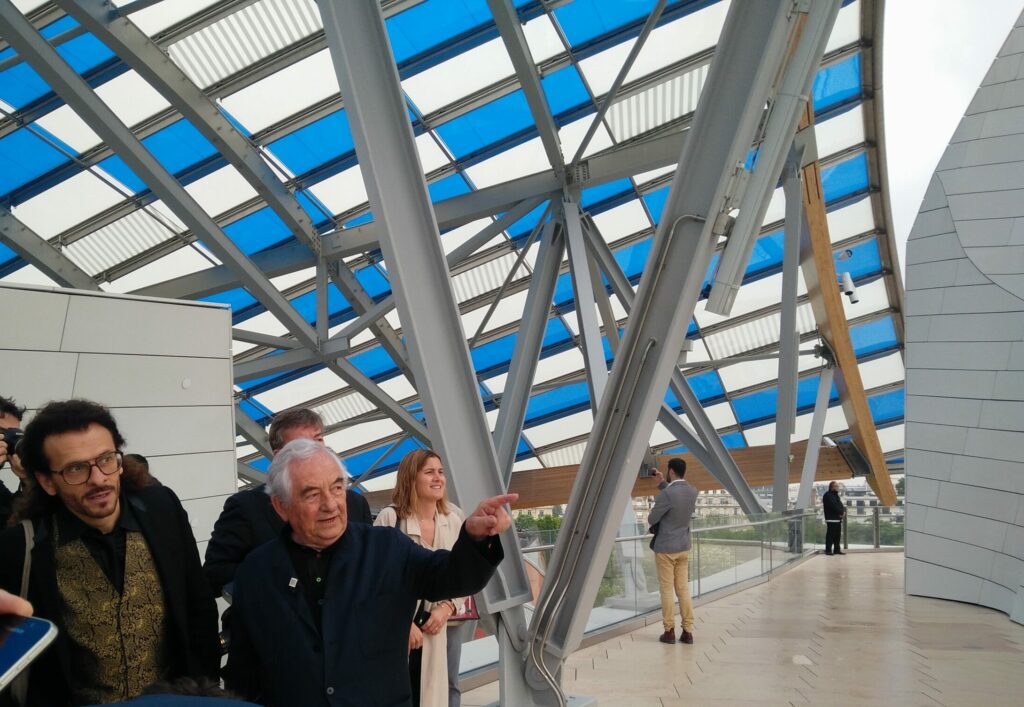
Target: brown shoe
668 637
687 637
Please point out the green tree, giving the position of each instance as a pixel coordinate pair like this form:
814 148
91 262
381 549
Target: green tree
901 487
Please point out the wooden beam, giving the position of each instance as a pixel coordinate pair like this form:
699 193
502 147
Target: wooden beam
818 266
551 486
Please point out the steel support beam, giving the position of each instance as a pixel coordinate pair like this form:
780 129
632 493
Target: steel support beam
37 251
594 362
529 342
608 166
793 91
410 240
704 440
145 57
255 337
103 121
253 433
789 336
507 20
748 56
807 474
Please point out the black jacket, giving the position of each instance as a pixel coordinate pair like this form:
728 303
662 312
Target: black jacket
247 521
360 658
833 505
191 612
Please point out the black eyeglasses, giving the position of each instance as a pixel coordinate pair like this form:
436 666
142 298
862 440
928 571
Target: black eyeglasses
77 473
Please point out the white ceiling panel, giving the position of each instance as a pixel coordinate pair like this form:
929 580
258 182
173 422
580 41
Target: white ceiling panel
892 438
840 132
342 191
558 430
519 161
308 387
131 98
182 261
66 126
221 190
846 30
624 220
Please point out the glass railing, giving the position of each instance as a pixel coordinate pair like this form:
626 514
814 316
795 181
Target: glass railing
726 551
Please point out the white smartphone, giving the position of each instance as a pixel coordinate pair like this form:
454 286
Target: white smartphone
22 640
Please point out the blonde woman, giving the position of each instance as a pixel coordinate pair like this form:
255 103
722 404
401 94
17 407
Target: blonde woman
421 510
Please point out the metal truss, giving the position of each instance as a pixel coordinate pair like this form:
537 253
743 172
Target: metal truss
30 246
749 54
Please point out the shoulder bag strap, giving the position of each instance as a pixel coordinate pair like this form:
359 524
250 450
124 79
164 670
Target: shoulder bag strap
19 688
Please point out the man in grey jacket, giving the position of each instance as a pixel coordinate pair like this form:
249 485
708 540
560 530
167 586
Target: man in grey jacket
671 515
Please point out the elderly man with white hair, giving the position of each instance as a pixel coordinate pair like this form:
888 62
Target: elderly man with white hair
321 615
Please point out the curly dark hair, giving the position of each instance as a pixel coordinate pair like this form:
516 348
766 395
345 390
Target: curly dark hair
9 407
59 417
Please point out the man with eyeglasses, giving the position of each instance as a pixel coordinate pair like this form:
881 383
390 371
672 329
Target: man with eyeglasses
116 568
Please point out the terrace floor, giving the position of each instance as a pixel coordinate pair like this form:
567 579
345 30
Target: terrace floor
833 630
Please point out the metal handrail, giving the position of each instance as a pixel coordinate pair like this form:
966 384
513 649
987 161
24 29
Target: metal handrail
533 549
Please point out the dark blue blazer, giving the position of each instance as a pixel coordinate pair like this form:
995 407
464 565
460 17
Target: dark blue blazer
360 658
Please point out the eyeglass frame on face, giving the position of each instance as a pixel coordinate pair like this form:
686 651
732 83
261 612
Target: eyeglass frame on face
95 462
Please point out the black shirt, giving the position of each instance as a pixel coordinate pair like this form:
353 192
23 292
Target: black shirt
311 569
106 549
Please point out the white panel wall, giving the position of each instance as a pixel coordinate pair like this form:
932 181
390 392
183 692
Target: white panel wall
965 356
162 366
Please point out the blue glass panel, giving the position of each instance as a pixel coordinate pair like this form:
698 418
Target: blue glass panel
313 206
761 405
259 413
887 407
179 146
237 298
872 337
563 297
258 231
707 386
734 440
260 464
863 260
116 168
375 364
23 157
837 83
586 19
359 220
58 27
84 52
564 89
656 202
374 282
493 357
845 178
431 23
486 124
606 191
557 403
357 464
315 144
523 449
524 226
305 304
675 450
767 254
20 85
450 186
633 259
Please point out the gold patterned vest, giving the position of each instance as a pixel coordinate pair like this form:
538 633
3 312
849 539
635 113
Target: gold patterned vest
117 640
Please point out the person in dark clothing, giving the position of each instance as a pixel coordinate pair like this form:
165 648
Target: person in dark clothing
113 566
834 512
248 520
10 419
321 615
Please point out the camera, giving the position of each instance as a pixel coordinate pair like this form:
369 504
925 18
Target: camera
849 288
12 435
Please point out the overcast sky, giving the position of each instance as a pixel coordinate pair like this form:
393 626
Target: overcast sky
935 55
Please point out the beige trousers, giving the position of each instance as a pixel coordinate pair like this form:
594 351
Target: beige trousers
673 583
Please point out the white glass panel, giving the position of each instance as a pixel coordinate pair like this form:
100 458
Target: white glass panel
381 483
622 221
296 392
66 204
527 464
850 221
29 275
542 38
459 76
518 161
431 155
65 125
562 429
452 239
342 191
221 190
284 93
572 135
846 30
882 371
840 132
360 435
181 262
131 97
892 438
164 14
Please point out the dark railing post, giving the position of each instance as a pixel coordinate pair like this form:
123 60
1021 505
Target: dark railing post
878 527
846 534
